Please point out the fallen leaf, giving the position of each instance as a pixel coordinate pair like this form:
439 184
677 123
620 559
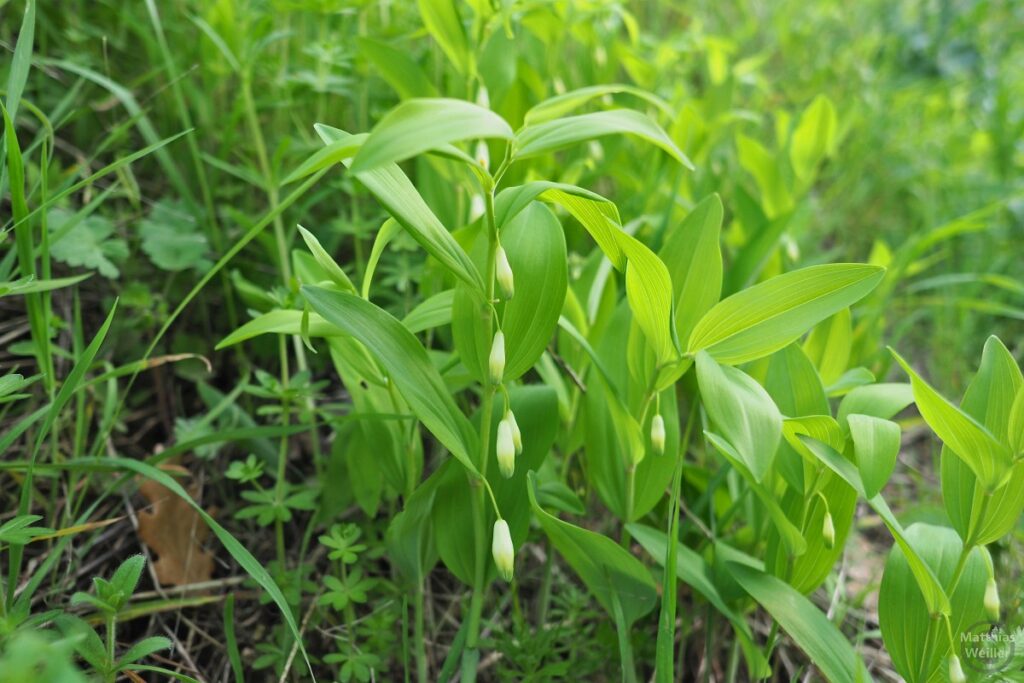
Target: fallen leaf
174 531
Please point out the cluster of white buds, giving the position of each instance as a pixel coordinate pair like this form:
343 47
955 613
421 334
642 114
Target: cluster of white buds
502 550
956 672
496 361
828 530
503 273
658 434
992 605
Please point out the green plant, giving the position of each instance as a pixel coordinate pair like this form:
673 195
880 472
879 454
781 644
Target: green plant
648 371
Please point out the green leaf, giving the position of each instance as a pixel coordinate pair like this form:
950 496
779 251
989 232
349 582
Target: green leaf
397 68
279 322
776 198
692 253
396 193
877 400
442 20
126 576
693 570
829 346
918 643
21 63
1015 425
536 250
609 572
935 597
649 292
172 240
989 399
326 262
90 243
770 315
597 215
31 286
143 648
792 538
988 458
408 366
418 125
560 105
551 136
384 236
876 443
809 628
334 153
742 411
814 138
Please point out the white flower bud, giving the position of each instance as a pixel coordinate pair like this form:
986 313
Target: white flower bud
496 362
477 207
502 550
503 270
482 155
992 605
517 436
658 434
506 449
956 672
483 98
828 530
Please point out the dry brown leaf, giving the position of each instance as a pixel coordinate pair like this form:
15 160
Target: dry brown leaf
174 531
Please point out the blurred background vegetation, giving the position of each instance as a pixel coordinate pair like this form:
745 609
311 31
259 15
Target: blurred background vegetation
925 175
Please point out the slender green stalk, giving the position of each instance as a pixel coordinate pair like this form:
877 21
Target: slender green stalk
419 646
472 655
664 671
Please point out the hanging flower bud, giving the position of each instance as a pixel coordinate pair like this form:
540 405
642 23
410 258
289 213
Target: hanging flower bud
828 530
956 672
504 274
517 436
992 599
496 362
506 449
502 550
483 98
482 155
658 434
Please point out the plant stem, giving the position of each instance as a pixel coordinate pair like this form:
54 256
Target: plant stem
418 645
111 640
667 618
472 655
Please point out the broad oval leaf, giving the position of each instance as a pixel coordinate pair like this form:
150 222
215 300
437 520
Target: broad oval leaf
560 105
918 643
536 250
550 136
989 400
742 412
814 137
421 124
988 458
770 315
693 256
876 443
